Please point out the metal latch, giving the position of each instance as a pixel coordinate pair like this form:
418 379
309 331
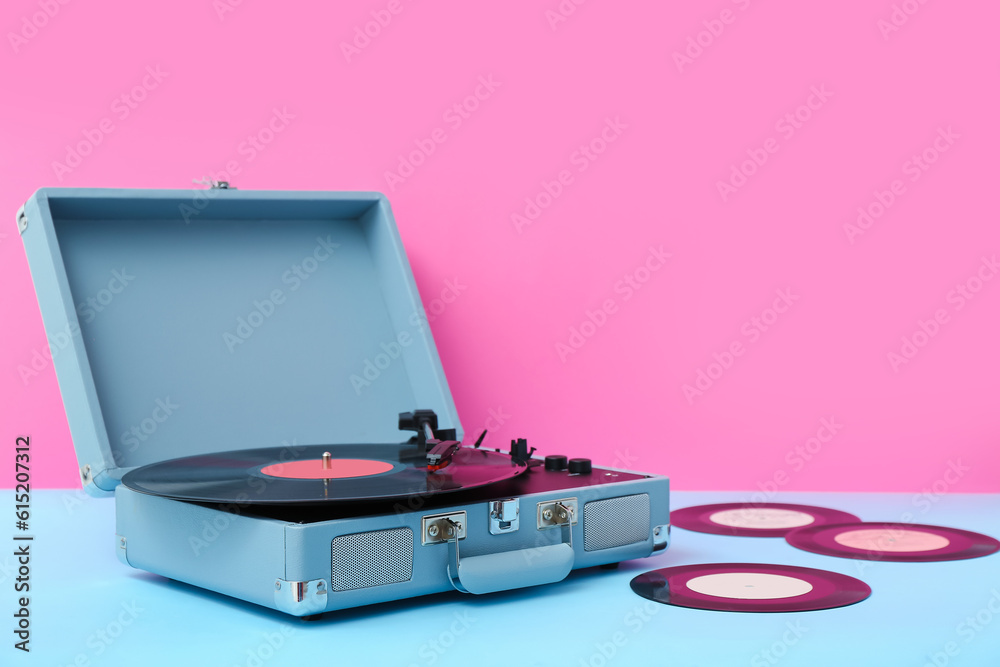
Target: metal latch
555 513
439 528
504 516
123 550
661 537
213 185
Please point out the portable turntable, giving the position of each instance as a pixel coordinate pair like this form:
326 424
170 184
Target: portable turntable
236 367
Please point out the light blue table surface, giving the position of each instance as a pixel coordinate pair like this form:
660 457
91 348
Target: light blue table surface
88 609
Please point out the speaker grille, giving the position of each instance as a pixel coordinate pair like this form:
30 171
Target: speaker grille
363 560
615 522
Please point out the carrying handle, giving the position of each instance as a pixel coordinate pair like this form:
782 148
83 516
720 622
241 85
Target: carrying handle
520 568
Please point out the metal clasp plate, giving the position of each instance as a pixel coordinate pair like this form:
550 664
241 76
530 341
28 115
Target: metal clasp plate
555 513
661 537
214 185
505 516
438 528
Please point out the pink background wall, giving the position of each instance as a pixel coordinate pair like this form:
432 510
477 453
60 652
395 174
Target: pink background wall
664 133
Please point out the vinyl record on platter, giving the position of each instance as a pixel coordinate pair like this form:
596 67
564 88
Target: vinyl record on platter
752 587
897 542
298 475
755 519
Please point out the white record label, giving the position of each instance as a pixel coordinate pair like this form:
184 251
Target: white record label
749 585
762 518
892 540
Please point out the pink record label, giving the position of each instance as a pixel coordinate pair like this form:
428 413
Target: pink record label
892 540
339 469
749 586
761 518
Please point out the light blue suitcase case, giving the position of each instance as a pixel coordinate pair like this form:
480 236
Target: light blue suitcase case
189 322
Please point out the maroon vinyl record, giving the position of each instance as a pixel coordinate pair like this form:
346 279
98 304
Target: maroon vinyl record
903 543
755 519
754 587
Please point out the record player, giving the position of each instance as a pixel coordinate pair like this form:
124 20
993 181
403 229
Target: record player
252 376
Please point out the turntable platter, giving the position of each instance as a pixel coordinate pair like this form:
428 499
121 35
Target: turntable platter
302 475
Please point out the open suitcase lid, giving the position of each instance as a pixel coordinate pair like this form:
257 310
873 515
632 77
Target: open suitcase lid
188 322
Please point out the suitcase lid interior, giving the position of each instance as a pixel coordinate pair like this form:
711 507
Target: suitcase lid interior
189 322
